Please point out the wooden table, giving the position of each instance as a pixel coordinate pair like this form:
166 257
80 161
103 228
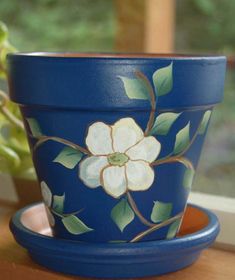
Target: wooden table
15 263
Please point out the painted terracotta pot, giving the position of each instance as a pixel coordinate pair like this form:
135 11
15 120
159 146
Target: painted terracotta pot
115 139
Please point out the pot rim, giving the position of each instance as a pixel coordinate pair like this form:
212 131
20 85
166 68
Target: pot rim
115 56
198 80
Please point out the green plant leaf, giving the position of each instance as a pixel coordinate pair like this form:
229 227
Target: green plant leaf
18 144
173 229
163 123
27 174
9 155
161 211
4 50
13 137
135 88
3 32
74 225
204 122
58 203
163 80
26 169
188 178
69 157
122 214
182 139
34 127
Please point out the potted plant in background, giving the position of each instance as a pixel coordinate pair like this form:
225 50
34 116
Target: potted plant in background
14 151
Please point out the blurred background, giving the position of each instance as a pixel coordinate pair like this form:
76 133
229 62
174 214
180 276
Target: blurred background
184 26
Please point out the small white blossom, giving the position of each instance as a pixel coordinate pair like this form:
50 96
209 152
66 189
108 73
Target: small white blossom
121 157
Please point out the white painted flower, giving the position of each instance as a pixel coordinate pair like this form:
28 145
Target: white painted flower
46 194
121 157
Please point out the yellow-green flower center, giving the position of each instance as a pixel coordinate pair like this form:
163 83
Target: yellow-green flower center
118 159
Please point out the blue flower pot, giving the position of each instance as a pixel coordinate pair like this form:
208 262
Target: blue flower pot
115 139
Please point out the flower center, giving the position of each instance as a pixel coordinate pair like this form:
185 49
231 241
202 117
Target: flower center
118 159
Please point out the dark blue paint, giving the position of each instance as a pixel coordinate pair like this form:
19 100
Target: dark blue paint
66 95
115 260
94 83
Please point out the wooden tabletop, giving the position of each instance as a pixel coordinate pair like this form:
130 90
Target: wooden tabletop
15 263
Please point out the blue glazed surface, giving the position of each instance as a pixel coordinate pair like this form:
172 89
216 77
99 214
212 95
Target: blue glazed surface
65 96
114 260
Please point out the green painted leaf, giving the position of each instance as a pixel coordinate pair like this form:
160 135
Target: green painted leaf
46 193
173 229
74 225
188 178
163 80
163 123
135 88
182 139
58 203
9 155
204 122
122 214
69 157
161 211
34 127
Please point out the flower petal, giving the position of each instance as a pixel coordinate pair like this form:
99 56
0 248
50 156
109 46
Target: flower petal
90 169
114 180
139 174
147 149
125 133
46 194
98 140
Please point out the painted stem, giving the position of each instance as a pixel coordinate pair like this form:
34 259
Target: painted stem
43 139
65 215
137 212
182 160
150 123
56 213
156 227
73 213
8 115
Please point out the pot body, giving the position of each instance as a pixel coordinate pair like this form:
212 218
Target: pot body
115 140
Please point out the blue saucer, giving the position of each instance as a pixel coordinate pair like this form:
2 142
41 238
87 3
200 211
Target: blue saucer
31 230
